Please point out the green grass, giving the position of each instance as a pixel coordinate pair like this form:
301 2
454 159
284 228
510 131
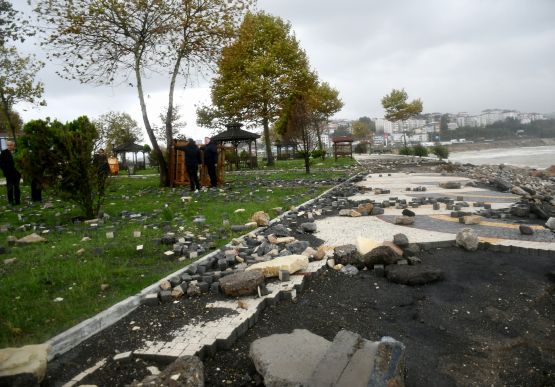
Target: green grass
72 269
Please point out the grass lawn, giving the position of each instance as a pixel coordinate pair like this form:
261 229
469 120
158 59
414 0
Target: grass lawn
68 268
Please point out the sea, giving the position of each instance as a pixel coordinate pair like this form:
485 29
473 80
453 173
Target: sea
538 157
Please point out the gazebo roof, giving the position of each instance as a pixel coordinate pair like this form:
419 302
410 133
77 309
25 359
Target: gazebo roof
342 139
234 133
128 147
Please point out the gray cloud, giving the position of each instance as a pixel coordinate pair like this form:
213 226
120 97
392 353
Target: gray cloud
456 55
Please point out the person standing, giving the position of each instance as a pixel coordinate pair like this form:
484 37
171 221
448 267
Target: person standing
12 175
192 161
210 160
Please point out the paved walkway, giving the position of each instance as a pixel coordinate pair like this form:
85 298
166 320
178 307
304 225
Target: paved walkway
430 226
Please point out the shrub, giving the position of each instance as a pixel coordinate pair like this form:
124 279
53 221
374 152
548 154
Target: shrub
420 150
441 151
361 147
61 156
406 150
317 153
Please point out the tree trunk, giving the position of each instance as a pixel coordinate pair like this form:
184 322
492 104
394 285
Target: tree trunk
164 176
9 123
169 113
267 141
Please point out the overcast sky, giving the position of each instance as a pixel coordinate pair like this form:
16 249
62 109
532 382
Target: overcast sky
456 55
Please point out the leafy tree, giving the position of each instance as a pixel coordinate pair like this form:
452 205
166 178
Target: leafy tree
441 151
16 122
17 83
106 41
13 26
326 102
61 156
420 150
398 109
361 130
444 120
116 128
256 75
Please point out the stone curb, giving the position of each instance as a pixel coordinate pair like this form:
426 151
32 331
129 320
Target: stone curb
75 335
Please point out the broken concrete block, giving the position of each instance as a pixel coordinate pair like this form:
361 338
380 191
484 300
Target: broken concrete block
241 284
291 263
23 366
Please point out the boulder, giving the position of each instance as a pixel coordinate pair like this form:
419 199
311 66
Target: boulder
241 284
385 254
550 224
347 255
413 274
349 270
518 191
467 239
525 229
349 212
186 371
520 210
261 218
309 227
404 220
407 212
297 247
288 359
401 240
502 185
365 208
472 219
450 185
279 230
24 366
31 238
271 268
365 245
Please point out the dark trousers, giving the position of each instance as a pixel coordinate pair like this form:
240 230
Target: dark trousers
14 195
212 173
36 191
192 171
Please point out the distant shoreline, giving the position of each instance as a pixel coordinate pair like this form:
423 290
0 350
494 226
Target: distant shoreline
501 144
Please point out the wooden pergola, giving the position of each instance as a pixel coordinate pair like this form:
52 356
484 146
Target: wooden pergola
129 147
342 146
234 135
285 149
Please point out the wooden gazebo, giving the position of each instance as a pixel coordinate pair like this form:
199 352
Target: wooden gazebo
342 146
285 149
234 135
129 147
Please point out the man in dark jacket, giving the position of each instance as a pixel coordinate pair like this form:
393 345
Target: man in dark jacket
192 161
210 160
12 175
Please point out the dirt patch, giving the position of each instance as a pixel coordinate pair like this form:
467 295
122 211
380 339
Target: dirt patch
490 322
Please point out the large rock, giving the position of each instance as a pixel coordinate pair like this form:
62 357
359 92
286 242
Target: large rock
472 219
261 218
404 220
279 230
413 274
502 185
347 255
186 371
297 247
349 212
550 224
31 238
365 208
401 240
291 263
288 359
25 366
365 245
308 227
467 239
241 284
385 254
518 191
450 185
